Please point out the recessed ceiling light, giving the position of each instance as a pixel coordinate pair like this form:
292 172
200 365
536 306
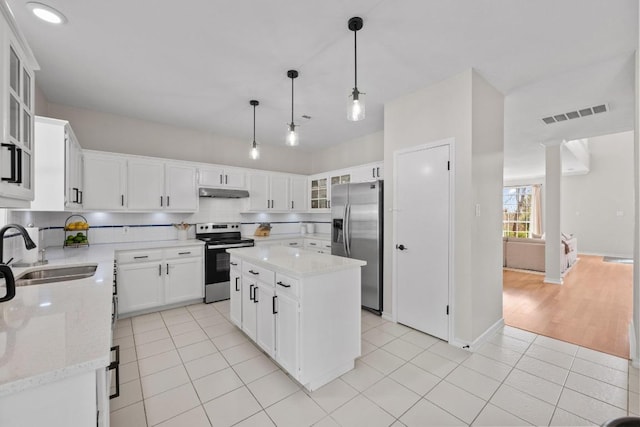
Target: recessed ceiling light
46 13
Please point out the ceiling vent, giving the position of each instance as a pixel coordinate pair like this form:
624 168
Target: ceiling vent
597 109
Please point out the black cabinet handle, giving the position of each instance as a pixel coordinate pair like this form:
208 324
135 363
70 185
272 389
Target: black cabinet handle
141 257
220 178
122 200
255 294
255 273
115 365
81 196
226 179
167 269
168 202
283 285
76 199
184 253
161 201
251 292
373 172
159 269
312 244
19 164
273 304
292 204
237 289
12 150
378 172
233 263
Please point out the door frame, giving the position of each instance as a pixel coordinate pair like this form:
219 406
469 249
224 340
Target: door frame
450 143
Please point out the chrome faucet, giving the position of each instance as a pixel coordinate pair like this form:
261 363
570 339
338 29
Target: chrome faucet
28 243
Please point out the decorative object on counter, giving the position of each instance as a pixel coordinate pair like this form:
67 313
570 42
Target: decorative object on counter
263 230
303 228
255 151
355 110
292 135
81 230
311 228
182 230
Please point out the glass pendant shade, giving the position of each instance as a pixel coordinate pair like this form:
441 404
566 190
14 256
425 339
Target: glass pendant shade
292 136
255 151
356 107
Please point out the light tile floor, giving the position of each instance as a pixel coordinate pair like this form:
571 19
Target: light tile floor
191 367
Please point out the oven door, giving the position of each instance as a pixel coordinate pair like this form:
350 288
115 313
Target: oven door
216 266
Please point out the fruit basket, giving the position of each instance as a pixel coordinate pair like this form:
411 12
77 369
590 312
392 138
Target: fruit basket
76 233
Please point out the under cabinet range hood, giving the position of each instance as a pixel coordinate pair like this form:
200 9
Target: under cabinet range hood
223 193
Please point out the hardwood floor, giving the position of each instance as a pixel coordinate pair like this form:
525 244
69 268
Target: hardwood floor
593 307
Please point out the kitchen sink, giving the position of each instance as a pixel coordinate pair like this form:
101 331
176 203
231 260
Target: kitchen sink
56 274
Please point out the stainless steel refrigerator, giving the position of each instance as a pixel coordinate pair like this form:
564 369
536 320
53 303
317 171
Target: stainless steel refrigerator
356 218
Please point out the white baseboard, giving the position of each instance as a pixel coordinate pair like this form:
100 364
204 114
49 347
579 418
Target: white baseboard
553 281
484 337
387 316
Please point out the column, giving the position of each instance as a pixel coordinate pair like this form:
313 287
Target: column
553 175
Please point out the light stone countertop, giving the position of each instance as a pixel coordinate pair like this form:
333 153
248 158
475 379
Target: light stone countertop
52 331
294 261
272 237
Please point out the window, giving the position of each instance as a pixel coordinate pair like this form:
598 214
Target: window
516 211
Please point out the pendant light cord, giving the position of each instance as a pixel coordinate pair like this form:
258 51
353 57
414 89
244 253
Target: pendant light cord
292 100
254 124
355 58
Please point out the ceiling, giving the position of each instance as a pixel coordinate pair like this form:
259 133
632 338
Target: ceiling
197 63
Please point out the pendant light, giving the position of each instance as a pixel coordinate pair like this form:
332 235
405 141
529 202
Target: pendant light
355 109
255 151
292 133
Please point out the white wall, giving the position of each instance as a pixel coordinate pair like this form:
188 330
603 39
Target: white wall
109 132
442 111
591 203
367 149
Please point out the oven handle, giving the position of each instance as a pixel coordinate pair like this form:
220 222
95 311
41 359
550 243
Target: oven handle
239 245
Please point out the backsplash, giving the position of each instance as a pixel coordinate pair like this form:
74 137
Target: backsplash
115 227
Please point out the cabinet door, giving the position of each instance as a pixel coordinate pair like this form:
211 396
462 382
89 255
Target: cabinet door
184 279
140 286
259 192
73 171
279 193
211 177
180 185
145 185
298 194
319 195
248 307
234 179
287 330
235 292
266 318
104 182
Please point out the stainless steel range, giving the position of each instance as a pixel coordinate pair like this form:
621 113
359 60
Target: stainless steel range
218 237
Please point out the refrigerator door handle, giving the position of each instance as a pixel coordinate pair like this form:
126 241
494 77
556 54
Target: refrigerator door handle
347 229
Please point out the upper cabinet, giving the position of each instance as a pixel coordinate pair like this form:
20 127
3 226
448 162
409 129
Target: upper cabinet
320 184
276 192
17 110
58 165
218 177
134 183
298 191
105 181
369 172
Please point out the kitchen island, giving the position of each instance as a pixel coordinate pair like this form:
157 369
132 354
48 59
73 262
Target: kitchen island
301 307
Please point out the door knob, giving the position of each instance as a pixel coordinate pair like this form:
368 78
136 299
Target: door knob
401 247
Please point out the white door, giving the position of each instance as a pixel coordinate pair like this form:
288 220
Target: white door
104 182
422 239
183 279
248 307
266 325
180 185
287 325
298 194
146 185
280 193
139 286
235 292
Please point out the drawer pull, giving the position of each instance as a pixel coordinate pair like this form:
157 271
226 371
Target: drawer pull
283 285
273 304
233 263
251 292
312 244
141 257
255 273
184 253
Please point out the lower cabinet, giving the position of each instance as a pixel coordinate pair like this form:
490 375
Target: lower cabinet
152 278
287 331
235 289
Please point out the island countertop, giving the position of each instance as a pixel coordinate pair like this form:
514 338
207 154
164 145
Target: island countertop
294 261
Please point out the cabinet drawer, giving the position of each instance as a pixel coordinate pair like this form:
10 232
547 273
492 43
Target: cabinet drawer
259 273
183 252
235 263
139 256
287 285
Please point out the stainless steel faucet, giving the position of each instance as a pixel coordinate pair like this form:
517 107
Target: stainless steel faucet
28 243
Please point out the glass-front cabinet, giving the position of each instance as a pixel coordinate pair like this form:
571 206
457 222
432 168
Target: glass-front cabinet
16 146
320 196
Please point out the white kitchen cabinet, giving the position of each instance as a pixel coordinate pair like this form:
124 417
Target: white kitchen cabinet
287 331
298 190
268 192
317 245
235 287
17 111
105 181
368 172
148 279
59 164
157 185
264 299
249 308
320 189
221 178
